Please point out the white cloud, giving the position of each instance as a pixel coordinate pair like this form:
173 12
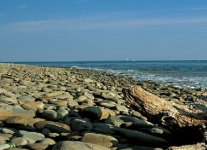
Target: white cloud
99 23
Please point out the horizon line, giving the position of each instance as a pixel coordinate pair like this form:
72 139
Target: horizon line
129 60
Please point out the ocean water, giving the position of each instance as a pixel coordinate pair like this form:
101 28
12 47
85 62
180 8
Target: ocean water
190 74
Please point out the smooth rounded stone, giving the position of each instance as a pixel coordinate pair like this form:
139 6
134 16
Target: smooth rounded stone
60 103
158 131
4 137
49 114
64 96
90 102
3 91
120 119
98 84
81 125
19 141
62 113
132 147
57 127
26 98
81 98
33 105
142 138
48 141
19 110
50 106
98 100
100 139
54 93
25 82
88 80
17 148
137 114
18 120
6 130
110 96
108 104
122 108
32 137
4 114
45 131
1 124
9 94
53 135
74 137
37 146
47 90
96 113
8 100
103 128
73 113
53 126
72 103
76 145
88 95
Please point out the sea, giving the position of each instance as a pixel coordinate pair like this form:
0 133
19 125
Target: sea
188 73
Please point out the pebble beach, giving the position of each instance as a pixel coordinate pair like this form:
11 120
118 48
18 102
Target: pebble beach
69 108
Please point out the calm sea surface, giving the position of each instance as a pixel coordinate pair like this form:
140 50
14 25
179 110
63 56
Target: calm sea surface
183 73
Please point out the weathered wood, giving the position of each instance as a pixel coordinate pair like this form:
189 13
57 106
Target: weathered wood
167 112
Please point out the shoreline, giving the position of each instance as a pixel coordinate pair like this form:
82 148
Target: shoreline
182 80
57 103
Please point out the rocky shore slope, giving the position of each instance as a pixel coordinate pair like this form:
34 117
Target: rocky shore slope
66 108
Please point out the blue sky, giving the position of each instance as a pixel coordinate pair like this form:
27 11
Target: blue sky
69 30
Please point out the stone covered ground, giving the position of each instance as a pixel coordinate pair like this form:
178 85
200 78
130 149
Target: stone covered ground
71 109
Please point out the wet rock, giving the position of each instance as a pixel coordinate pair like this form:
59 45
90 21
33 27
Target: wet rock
48 141
55 93
19 141
72 103
32 137
62 113
81 98
110 96
8 100
49 114
17 120
33 105
103 128
108 104
76 145
37 146
57 127
96 113
60 103
7 130
2 90
158 131
4 138
53 126
122 108
100 139
142 138
137 115
88 80
81 125
120 119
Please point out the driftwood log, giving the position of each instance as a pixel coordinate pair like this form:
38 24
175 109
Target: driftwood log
164 112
